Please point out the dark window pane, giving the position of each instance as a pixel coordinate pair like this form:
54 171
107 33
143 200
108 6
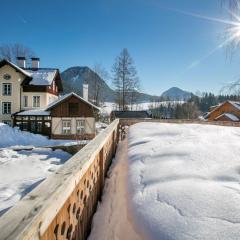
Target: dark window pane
73 109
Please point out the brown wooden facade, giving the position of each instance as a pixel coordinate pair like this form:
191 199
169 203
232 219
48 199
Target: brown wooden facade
82 109
226 107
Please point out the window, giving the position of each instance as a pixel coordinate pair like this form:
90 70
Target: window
8 122
7 89
36 101
80 127
73 109
7 76
6 108
24 126
66 127
25 101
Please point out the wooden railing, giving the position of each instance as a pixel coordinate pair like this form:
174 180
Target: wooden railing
63 205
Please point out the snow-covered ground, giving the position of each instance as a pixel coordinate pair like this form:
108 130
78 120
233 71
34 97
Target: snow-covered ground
183 184
21 171
184 181
12 137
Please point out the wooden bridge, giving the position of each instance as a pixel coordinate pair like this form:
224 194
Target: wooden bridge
63 205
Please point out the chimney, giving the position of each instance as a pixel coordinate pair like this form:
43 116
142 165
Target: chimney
85 91
35 63
21 62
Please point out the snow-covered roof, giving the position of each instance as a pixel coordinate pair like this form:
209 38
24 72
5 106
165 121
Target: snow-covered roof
62 98
34 112
42 76
4 61
234 104
230 116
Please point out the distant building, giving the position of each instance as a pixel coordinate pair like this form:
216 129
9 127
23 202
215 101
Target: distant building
227 111
129 114
30 100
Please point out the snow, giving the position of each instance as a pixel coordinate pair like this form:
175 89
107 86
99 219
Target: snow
100 126
108 107
112 219
19 69
230 116
21 171
184 181
235 104
14 137
35 112
42 76
62 98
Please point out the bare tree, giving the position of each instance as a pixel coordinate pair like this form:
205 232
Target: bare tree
98 94
12 51
124 78
232 33
232 4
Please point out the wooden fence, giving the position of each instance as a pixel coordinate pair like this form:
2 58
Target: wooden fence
63 205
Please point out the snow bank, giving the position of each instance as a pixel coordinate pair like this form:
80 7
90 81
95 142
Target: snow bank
14 137
21 171
184 181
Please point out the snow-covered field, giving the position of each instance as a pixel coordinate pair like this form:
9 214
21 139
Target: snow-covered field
184 181
182 184
12 137
21 171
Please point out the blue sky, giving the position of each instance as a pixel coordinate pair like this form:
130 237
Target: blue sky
165 44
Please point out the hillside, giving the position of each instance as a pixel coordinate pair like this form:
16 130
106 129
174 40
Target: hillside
74 77
176 94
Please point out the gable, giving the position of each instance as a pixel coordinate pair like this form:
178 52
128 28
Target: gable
72 106
16 76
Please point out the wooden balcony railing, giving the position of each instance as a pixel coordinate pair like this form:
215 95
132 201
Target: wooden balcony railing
63 205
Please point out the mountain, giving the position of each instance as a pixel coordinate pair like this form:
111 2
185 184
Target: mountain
176 94
74 77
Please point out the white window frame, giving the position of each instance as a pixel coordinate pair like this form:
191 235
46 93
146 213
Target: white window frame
25 101
35 103
8 112
8 89
80 128
66 127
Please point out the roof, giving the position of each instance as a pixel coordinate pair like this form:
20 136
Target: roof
34 112
6 62
234 104
42 76
64 97
231 116
130 114
38 77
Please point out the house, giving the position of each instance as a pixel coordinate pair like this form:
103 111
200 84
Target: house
24 88
129 114
227 111
30 100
